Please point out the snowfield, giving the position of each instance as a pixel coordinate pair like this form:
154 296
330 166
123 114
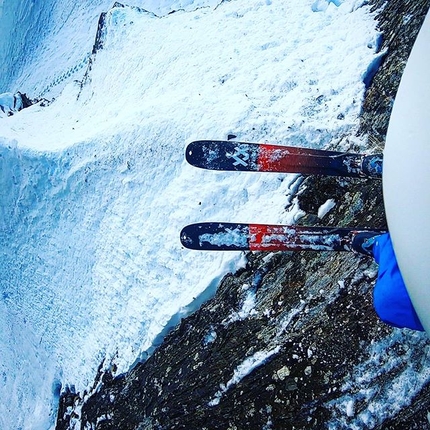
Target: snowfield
94 186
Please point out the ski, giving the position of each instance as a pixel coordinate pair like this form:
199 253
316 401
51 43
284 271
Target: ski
215 236
261 157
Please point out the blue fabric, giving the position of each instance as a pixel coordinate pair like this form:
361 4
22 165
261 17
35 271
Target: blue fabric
391 299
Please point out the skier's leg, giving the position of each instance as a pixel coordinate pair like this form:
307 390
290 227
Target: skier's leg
391 298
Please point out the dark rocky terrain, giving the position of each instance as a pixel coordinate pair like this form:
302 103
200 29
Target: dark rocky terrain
319 356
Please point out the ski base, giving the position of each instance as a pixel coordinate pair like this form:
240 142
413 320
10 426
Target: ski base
214 236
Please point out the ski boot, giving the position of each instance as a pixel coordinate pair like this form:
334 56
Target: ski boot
363 242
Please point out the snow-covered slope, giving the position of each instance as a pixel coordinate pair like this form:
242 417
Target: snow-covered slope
94 188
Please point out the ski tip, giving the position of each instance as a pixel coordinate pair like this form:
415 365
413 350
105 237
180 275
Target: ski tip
192 235
188 238
195 153
211 236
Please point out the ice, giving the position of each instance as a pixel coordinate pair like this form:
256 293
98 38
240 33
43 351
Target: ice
9 103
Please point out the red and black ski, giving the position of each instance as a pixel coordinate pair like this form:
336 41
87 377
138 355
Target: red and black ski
215 236
260 157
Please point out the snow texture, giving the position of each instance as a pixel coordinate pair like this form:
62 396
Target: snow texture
94 187
324 209
242 370
382 394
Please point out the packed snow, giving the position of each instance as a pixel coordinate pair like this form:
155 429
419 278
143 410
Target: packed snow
94 187
242 370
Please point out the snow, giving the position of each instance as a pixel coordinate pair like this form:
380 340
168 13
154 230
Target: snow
247 309
210 337
325 208
94 186
231 237
243 370
376 387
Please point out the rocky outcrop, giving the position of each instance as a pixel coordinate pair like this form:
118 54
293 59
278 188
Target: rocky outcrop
100 39
399 23
292 340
